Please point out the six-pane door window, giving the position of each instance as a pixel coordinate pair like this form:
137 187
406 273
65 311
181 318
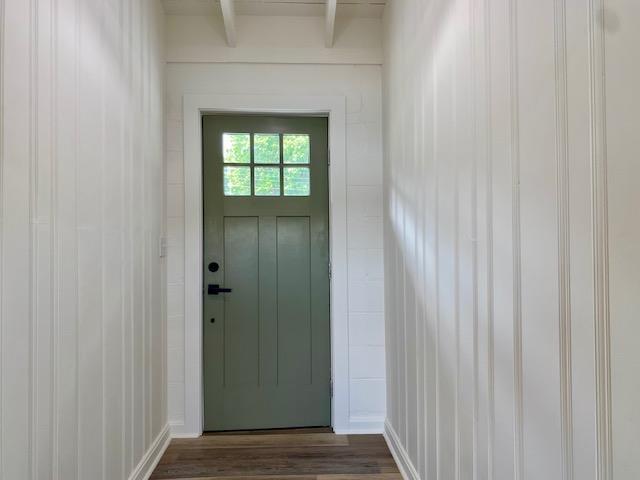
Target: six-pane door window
266 164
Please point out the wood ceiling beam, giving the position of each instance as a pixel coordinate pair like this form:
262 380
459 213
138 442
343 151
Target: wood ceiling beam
229 19
330 22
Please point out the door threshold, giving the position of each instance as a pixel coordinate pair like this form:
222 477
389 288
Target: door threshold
273 431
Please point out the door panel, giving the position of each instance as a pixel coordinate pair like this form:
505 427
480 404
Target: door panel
241 310
294 301
267 342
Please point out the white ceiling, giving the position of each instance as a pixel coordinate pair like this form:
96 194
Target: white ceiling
346 8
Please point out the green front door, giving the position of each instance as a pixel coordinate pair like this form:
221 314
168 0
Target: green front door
266 238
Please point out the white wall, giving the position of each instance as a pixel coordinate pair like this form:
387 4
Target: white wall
362 88
82 325
511 238
274 39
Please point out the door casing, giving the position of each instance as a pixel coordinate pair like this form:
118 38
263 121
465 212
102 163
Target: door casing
334 108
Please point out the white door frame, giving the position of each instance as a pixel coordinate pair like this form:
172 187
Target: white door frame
193 108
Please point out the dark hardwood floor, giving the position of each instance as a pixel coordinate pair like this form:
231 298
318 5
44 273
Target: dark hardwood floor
305 454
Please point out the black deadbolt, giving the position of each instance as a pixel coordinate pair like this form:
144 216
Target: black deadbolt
214 267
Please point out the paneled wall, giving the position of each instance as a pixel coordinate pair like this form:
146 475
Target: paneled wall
361 87
512 266
82 322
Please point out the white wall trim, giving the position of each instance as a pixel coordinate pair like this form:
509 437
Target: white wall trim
400 455
362 425
193 107
153 455
178 431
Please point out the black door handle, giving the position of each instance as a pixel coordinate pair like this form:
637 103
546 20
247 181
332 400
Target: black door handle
216 289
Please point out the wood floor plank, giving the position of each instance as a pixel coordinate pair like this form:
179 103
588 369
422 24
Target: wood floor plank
381 476
258 441
254 477
287 456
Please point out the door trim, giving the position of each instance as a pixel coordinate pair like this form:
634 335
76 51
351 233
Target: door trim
334 107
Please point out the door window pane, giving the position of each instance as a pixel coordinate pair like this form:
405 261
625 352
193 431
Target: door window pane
237 181
296 181
236 147
266 148
267 181
296 148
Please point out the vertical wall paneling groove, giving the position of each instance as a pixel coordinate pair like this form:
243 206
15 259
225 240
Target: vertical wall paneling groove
44 332
131 221
143 224
456 140
436 274
598 158
399 361
81 164
473 8
403 236
490 334
101 232
164 313
518 473
54 277
419 333
63 96
395 327
151 252
2 216
431 234
75 468
48 331
564 242
423 403
105 241
2 203
421 298
34 221
146 364
122 145
481 249
100 422
129 155
137 348
123 148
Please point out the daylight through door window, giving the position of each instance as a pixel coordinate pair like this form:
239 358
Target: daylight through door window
266 164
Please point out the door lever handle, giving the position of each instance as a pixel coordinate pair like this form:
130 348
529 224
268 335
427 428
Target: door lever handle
215 289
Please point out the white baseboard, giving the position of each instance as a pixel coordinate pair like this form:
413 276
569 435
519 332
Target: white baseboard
151 458
357 425
361 425
179 430
400 455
